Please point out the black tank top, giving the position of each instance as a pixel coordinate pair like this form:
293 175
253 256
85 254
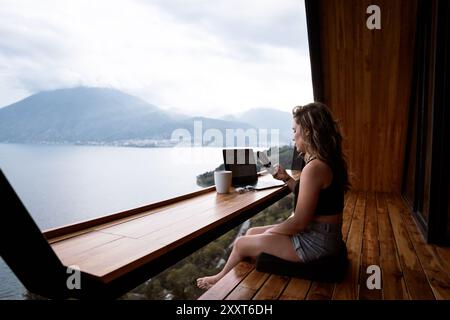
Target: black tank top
331 199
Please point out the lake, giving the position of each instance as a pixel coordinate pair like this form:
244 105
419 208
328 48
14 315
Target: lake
61 184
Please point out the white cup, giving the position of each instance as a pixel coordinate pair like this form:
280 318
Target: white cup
222 180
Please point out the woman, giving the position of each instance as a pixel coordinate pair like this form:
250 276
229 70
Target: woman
314 230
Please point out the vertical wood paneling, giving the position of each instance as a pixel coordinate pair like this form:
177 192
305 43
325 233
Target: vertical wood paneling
366 80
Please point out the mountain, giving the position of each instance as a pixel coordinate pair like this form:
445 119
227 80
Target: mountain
264 118
86 115
79 114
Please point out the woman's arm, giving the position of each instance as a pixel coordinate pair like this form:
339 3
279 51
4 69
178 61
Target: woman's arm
306 203
281 174
291 183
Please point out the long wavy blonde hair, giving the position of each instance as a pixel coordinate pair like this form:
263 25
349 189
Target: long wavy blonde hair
322 138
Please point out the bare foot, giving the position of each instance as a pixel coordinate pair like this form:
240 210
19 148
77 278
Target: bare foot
207 282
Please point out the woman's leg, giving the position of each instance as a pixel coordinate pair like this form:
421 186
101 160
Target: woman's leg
251 246
254 231
258 230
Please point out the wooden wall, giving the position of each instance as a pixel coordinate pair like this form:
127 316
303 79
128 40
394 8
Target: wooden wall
365 78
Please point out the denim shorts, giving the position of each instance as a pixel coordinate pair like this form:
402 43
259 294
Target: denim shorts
318 241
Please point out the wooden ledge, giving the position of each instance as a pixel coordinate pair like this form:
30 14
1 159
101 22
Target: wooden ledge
129 247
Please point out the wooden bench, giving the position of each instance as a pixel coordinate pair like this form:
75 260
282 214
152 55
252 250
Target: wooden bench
118 252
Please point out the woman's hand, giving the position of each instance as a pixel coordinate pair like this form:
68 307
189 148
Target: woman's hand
281 174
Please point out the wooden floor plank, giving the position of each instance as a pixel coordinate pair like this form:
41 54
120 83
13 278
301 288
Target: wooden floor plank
248 287
432 265
272 288
320 291
394 287
297 289
370 250
415 278
347 216
241 293
348 289
443 254
348 213
225 285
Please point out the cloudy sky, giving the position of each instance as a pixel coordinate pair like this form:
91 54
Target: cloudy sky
203 57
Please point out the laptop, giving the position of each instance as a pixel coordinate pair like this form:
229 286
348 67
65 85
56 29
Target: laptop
242 164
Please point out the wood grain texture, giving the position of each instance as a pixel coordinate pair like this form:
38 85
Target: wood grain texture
62 232
223 287
249 286
434 267
113 249
366 79
348 289
272 288
297 289
393 282
415 278
320 291
370 250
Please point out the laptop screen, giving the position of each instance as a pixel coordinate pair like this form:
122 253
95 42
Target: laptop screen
242 164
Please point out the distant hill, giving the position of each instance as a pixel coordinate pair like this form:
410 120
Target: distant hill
79 114
264 118
86 115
